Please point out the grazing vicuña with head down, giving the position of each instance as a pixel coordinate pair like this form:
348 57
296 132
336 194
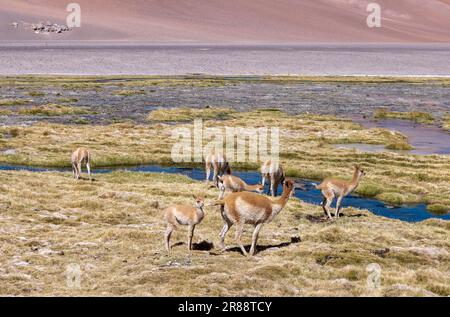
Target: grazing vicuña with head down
220 166
81 156
273 173
235 184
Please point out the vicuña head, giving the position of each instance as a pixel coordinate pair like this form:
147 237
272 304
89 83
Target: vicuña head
332 188
251 208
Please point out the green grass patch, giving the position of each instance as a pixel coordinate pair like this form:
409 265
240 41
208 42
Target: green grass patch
392 198
399 145
67 100
128 92
446 122
189 114
369 189
438 209
419 117
13 102
52 110
36 93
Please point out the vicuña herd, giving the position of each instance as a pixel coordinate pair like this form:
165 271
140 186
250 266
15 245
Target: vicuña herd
239 202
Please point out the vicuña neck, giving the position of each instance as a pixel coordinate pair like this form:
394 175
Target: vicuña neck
284 197
250 187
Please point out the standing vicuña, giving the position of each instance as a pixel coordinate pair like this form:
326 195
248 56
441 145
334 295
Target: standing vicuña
184 215
219 164
332 188
79 157
273 173
250 208
235 184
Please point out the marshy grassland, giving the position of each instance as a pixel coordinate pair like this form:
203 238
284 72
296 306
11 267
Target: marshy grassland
306 149
112 229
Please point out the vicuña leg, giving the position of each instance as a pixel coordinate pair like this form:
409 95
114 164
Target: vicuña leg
225 228
88 166
79 170
74 170
328 197
167 235
216 175
255 238
338 206
239 229
208 172
190 235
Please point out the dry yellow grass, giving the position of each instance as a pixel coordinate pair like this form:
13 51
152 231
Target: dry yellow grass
112 229
306 150
189 114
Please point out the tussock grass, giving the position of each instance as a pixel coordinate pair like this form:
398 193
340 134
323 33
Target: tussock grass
420 117
13 102
52 110
36 93
189 114
113 229
129 92
67 100
446 122
438 209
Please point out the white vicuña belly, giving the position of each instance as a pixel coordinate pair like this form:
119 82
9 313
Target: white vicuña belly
250 213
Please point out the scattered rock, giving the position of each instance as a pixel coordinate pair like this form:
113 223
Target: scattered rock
155 204
178 263
381 252
431 252
85 244
108 195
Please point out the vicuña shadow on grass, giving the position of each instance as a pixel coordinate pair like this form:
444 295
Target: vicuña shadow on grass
201 246
260 248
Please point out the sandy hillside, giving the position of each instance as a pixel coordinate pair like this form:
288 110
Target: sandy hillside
251 21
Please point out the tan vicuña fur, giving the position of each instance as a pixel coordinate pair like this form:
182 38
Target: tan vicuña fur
81 156
332 187
235 184
183 215
273 173
219 164
251 208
